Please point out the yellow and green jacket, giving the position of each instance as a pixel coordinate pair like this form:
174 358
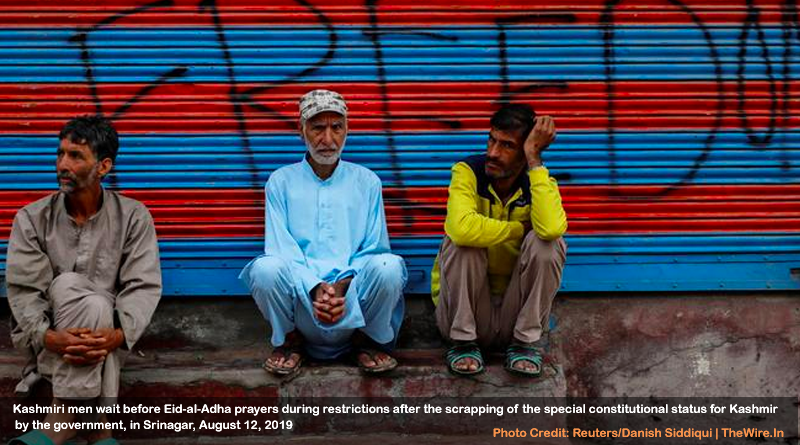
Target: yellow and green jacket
476 217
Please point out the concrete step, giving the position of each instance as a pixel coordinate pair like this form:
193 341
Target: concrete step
233 377
238 373
215 324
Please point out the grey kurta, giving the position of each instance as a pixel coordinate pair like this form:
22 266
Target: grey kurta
116 250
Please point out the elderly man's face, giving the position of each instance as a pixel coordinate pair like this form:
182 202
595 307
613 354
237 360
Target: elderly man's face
324 135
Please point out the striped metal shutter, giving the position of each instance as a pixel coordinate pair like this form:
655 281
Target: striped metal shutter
677 152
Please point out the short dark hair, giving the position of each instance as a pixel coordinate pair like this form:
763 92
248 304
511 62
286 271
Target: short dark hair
94 131
513 118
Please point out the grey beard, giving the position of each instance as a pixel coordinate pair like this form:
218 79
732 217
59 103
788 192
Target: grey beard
325 160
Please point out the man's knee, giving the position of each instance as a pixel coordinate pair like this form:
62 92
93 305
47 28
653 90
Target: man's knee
66 283
73 293
388 270
457 256
268 272
98 309
544 253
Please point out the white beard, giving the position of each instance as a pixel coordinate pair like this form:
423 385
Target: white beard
325 160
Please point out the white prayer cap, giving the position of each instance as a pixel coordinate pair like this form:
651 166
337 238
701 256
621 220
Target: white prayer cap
318 101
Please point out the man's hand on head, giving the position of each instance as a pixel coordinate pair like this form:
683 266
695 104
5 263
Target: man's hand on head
542 135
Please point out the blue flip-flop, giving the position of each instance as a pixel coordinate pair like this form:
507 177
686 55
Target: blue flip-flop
109 441
32 437
36 437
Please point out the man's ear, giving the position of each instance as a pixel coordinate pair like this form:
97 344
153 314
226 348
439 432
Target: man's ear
105 167
300 130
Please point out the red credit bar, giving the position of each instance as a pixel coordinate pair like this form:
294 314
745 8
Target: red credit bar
209 213
189 108
133 13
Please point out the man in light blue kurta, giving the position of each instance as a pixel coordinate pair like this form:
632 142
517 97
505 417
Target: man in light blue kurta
327 272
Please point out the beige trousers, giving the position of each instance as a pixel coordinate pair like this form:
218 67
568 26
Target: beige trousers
468 312
79 303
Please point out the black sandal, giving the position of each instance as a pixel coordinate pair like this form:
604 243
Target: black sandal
516 353
461 351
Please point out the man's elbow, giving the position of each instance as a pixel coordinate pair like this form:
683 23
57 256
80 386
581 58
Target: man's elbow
552 233
459 234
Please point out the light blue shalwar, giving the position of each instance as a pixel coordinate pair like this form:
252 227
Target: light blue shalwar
325 231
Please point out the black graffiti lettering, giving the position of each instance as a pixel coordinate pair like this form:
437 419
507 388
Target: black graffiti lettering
752 21
506 94
607 24
449 124
210 7
81 37
144 91
246 96
791 37
413 32
243 99
373 33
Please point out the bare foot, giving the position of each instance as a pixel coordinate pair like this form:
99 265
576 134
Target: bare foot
464 358
375 360
526 366
466 364
524 359
286 358
279 359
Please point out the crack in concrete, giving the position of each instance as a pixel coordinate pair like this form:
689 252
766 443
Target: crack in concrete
707 347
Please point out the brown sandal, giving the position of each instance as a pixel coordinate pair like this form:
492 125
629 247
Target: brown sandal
292 345
372 354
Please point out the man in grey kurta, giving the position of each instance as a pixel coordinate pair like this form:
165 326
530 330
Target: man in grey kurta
83 271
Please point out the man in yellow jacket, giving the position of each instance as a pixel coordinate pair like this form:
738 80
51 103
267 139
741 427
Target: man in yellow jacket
499 265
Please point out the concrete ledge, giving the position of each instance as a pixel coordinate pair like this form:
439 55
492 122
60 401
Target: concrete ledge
664 345
238 373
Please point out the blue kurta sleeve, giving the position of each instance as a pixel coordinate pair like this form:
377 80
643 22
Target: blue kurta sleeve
376 237
279 242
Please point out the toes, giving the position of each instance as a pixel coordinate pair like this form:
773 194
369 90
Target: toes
367 360
467 364
526 366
